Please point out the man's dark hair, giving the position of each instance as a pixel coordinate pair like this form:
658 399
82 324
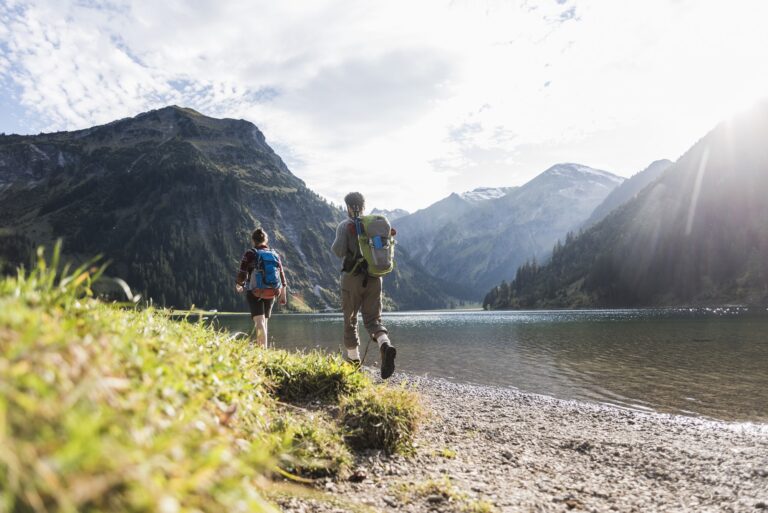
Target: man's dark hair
355 201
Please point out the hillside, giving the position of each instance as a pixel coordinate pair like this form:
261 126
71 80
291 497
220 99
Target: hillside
627 190
697 235
170 198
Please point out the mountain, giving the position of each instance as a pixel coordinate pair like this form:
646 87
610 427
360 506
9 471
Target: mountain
170 198
417 231
477 244
698 235
391 215
421 229
627 190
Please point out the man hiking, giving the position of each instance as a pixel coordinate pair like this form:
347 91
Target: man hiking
262 279
360 291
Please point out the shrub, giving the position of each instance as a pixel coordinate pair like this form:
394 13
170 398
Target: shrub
381 418
311 376
312 446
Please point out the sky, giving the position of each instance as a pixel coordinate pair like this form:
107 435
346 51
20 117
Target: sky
405 101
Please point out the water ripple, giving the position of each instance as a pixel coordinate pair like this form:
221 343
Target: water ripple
707 361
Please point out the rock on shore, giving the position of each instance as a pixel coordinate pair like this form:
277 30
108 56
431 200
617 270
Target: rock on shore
493 449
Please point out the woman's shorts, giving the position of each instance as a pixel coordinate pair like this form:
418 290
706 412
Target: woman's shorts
259 306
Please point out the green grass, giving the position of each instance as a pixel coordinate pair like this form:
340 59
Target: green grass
108 408
313 445
447 453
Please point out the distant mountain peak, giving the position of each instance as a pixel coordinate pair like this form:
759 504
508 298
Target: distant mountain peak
185 110
393 214
571 170
660 164
173 121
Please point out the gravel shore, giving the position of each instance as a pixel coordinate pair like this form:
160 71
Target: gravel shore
494 449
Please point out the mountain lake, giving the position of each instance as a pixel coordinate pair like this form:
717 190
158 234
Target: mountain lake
711 363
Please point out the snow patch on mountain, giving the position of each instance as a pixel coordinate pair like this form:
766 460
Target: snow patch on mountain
570 170
485 193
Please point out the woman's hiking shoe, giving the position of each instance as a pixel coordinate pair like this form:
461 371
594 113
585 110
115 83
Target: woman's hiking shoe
388 354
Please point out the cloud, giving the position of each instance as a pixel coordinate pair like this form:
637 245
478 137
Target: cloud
407 100
362 98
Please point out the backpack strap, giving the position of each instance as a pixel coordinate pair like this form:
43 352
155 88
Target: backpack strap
360 264
250 268
255 257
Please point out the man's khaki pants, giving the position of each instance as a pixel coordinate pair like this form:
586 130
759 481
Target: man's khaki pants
356 298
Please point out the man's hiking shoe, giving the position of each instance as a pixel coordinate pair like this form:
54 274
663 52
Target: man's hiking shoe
388 354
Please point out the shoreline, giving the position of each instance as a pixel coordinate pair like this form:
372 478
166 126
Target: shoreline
511 451
583 404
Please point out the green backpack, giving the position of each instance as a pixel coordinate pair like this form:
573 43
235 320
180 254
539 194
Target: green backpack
376 240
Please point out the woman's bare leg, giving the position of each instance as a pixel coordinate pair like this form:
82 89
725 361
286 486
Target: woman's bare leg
260 323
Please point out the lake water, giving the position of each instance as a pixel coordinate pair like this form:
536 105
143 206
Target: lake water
711 363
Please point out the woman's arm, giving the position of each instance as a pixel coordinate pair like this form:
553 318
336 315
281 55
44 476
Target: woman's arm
284 288
242 272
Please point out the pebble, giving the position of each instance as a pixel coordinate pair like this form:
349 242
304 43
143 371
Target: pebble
389 501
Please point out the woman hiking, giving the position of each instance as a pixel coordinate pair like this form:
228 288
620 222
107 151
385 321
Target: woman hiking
262 278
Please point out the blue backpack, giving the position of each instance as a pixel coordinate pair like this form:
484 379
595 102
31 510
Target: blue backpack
265 277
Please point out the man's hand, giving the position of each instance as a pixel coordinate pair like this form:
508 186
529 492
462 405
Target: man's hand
284 295
239 288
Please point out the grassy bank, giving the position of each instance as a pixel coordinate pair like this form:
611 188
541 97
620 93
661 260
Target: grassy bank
105 407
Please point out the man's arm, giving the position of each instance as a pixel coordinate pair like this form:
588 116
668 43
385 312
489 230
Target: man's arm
339 246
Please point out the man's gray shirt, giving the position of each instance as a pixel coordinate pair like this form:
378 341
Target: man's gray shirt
345 243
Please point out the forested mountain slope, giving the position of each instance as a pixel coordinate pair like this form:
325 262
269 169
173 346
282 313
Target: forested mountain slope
627 190
697 235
